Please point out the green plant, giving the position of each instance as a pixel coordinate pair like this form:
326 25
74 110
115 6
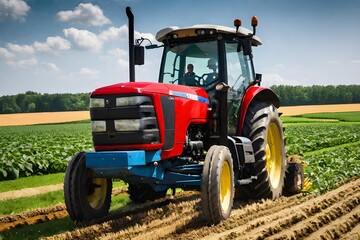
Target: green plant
41 149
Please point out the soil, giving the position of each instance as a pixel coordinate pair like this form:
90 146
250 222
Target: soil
333 215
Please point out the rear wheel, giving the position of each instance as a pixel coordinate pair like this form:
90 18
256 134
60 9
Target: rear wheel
217 188
263 127
140 193
86 197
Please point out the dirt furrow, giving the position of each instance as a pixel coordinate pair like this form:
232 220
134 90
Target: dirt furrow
124 221
274 222
308 223
173 216
244 214
354 234
339 227
330 216
33 217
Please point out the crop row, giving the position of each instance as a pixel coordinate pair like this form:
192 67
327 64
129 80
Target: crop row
40 149
327 168
311 137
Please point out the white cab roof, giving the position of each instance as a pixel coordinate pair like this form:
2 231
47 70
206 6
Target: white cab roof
190 31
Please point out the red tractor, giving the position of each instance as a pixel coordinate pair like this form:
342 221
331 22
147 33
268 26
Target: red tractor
207 125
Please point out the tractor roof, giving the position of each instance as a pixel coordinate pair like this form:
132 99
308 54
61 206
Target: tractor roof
197 30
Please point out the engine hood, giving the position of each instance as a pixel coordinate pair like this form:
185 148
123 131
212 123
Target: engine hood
150 88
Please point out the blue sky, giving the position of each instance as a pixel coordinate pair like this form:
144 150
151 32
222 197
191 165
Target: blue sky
69 46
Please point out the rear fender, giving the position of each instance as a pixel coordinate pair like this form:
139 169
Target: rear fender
259 94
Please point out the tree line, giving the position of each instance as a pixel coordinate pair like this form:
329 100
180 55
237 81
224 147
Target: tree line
289 96
317 95
37 102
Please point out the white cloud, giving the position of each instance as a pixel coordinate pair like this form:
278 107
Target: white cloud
88 72
86 14
118 52
13 9
51 66
113 33
123 63
4 53
355 61
52 44
83 39
20 49
276 79
23 63
121 33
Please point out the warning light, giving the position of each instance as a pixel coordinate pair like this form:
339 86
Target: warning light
254 21
237 24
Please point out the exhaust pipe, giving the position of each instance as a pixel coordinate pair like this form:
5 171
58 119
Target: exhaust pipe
131 44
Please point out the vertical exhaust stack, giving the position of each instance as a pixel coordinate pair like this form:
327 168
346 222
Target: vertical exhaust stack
131 44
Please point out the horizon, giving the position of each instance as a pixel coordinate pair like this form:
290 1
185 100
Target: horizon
75 47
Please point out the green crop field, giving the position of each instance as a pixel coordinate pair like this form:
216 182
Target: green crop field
40 149
330 148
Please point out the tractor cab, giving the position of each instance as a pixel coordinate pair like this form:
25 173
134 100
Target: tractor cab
205 56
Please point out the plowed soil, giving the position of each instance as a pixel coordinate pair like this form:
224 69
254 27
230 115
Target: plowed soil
333 215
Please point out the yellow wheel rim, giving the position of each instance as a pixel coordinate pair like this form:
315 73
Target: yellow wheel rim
96 199
225 186
273 154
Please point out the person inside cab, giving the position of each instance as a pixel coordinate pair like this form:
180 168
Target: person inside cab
212 64
189 77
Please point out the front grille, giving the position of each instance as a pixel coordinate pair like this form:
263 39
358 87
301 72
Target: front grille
141 108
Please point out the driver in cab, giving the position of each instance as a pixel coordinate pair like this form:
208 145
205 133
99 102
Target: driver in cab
189 77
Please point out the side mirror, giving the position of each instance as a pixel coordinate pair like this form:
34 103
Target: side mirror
257 80
245 46
139 55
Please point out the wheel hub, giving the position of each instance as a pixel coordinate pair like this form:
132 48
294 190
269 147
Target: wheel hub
273 154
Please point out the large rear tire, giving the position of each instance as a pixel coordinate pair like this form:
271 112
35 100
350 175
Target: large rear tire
263 127
140 193
86 197
217 187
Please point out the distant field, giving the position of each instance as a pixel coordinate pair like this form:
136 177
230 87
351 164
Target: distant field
18 119
298 110
60 117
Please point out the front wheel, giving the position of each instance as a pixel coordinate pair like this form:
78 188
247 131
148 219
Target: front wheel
217 188
86 197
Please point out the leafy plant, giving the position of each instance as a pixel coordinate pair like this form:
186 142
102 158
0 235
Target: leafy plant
41 149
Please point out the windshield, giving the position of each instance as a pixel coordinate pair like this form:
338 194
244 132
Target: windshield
193 64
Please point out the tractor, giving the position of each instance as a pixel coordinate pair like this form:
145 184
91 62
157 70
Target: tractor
213 128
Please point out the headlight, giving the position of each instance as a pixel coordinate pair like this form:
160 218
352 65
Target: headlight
98 126
97 102
131 101
127 125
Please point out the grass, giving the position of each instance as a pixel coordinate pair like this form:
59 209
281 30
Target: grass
32 181
342 116
18 205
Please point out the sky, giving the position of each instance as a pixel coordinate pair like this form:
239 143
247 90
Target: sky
70 46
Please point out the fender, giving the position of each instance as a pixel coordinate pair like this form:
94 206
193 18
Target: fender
259 94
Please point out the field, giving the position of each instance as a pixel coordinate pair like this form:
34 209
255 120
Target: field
328 143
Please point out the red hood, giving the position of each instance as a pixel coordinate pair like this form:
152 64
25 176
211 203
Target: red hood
148 88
